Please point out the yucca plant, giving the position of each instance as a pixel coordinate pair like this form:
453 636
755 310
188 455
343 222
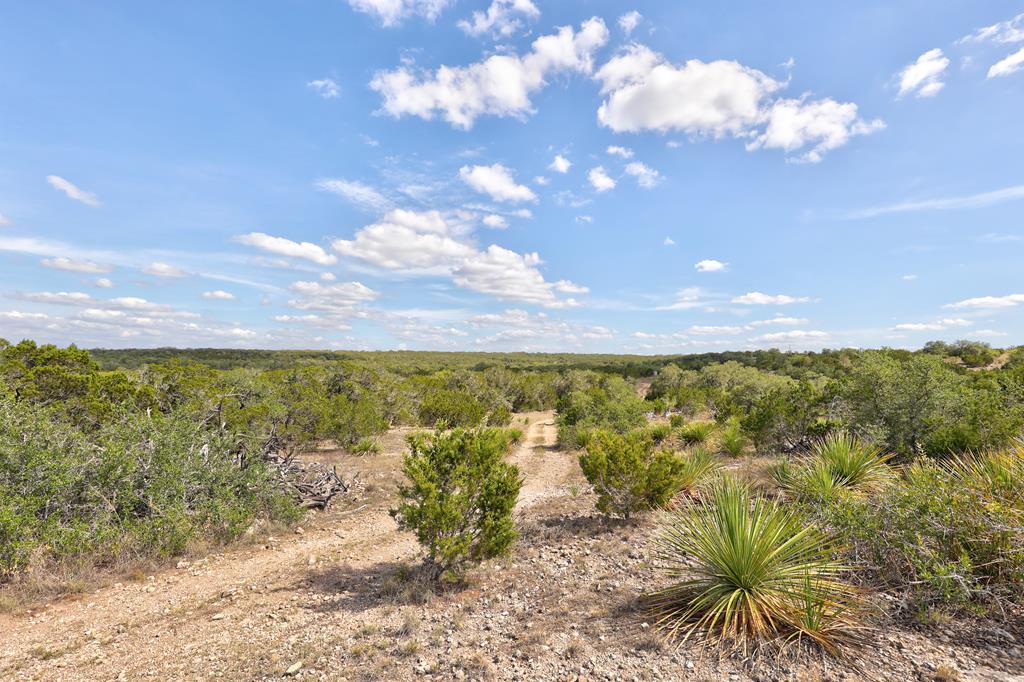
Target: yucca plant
696 433
999 474
732 440
659 432
749 571
698 466
853 462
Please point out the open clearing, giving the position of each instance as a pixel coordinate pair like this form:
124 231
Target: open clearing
338 600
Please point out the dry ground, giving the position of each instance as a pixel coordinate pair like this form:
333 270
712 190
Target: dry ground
339 599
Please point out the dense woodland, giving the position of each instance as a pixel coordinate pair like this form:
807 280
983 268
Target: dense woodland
906 463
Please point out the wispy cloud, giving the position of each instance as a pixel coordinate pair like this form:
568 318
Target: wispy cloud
73 192
981 200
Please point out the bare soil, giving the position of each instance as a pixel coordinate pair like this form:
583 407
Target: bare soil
340 599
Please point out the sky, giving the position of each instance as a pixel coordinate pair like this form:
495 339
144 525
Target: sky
505 175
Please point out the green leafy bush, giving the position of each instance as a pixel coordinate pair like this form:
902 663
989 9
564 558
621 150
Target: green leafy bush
628 474
453 408
459 496
945 534
750 571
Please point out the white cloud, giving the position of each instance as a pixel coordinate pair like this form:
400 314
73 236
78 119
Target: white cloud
501 85
541 180
287 247
718 99
705 329
988 333
982 200
629 21
73 192
779 319
495 222
757 298
497 181
1004 32
75 265
419 244
356 192
326 88
103 283
337 299
158 269
392 12
624 152
600 180
686 299
586 219
923 78
797 335
645 176
669 241
823 124
711 265
218 295
502 19
1009 65
327 277
908 278
937 325
991 302
534 331
560 164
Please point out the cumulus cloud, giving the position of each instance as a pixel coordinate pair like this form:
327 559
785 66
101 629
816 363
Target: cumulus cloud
103 283
686 299
710 265
520 329
325 87
560 164
424 243
629 21
502 19
600 180
75 265
757 298
779 319
645 176
340 298
501 85
1007 66
495 222
287 247
497 181
669 241
158 269
355 192
988 302
393 12
923 78
218 295
822 125
72 191
623 152
719 99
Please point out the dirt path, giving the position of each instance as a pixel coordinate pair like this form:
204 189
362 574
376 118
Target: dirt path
212 616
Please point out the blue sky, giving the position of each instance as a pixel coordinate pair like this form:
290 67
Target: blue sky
649 177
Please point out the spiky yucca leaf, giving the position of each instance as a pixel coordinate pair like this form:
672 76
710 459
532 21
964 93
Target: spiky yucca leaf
750 571
696 432
853 462
698 466
1000 473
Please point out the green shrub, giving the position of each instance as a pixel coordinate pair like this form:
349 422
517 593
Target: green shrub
459 497
139 485
659 432
499 416
451 408
628 474
749 571
676 421
732 441
944 535
365 446
696 433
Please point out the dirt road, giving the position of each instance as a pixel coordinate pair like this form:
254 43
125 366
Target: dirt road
217 615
